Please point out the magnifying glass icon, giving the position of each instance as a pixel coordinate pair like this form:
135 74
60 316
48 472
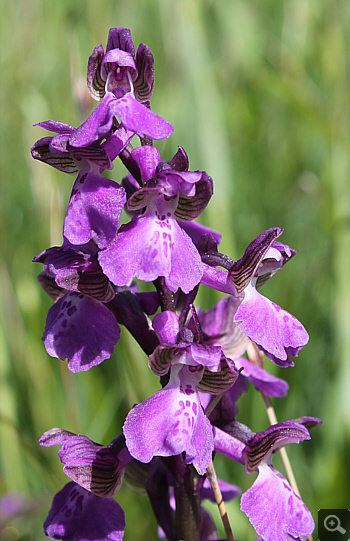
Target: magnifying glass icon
332 524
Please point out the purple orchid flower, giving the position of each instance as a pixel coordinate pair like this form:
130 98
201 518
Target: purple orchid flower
172 421
96 202
125 85
284 513
275 331
272 507
153 244
79 327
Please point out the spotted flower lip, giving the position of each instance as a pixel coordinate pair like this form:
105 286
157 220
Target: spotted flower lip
153 244
171 422
81 329
77 515
94 209
184 428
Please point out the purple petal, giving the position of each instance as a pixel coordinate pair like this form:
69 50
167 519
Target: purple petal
228 491
228 445
166 325
147 158
79 515
219 328
144 82
179 161
171 422
141 120
119 57
218 279
91 465
82 330
274 330
207 528
117 142
261 379
97 125
94 210
274 510
56 126
150 246
196 231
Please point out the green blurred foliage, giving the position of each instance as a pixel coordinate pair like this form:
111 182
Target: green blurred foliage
258 93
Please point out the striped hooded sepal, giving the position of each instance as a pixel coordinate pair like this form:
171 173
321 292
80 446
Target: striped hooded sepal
219 382
76 271
144 81
63 162
95 82
189 208
191 354
89 464
246 268
264 444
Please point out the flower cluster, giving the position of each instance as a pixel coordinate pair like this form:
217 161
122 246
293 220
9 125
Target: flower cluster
198 356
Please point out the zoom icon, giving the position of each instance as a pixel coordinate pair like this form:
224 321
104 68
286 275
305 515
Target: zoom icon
333 524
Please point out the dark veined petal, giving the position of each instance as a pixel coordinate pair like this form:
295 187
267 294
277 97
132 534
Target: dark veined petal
63 162
95 82
50 287
160 360
91 465
94 153
219 382
144 82
262 445
189 208
245 268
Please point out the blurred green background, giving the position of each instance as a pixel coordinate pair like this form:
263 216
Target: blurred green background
258 93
